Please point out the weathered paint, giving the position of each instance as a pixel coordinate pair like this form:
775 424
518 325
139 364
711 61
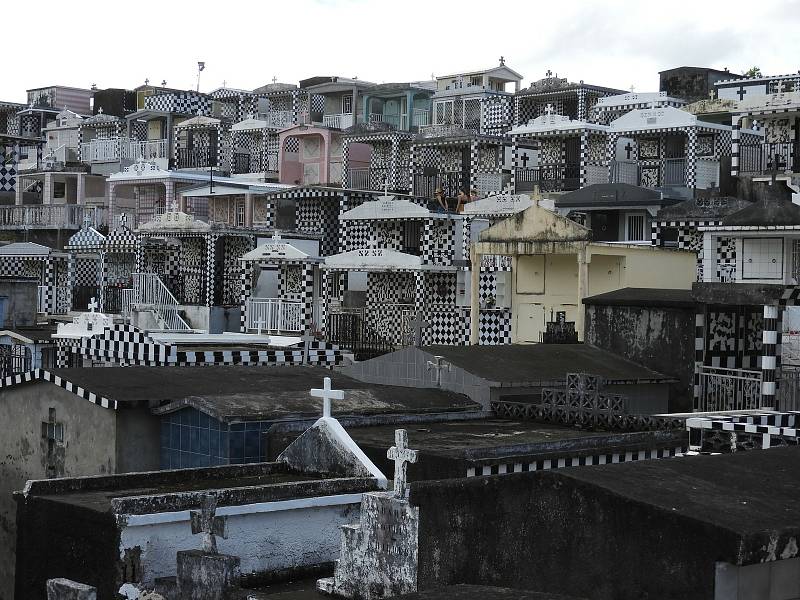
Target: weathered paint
88 449
290 537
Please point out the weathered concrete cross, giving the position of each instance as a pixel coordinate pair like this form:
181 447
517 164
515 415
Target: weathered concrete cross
549 110
401 455
417 325
206 522
327 394
93 304
307 338
439 364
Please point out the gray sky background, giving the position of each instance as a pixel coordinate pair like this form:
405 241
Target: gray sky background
246 43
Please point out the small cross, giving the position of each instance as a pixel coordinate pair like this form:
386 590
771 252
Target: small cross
633 87
549 109
93 304
401 455
307 338
163 83
327 394
418 324
628 149
100 111
439 364
741 91
276 236
206 522
146 81
549 73
502 61
781 87
524 158
224 82
274 79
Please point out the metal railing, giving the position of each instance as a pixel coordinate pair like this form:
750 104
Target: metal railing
279 119
420 118
451 183
549 178
349 330
198 157
788 389
358 179
123 148
82 295
147 149
728 389
445 130
244 162
675 171
114 299
150 293
758 159
338 121
50 216
625 172
274 315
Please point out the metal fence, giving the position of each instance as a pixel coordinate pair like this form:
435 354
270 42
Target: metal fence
351 332
728 389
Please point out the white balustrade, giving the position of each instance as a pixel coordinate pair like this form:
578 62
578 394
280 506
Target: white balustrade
420 118
338 121
150 293
274 315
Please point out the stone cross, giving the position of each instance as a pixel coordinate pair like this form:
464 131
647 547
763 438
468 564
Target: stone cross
274 79
524 158
93 304
502 61
327 394
205 522
163 83
401 455
628 149
307 338
276 236
549 110
100 110
146 81
417 325
741 92
633 87
439 364
549 73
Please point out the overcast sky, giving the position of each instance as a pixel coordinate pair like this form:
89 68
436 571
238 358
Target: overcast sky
246 43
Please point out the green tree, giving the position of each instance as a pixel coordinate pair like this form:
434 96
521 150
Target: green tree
753 72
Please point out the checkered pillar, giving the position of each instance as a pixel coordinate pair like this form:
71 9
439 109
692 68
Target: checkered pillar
691 157
768 358
699 351
655 233
584 157
323 313
611 149
246 279
394 183
411 168
308 296
736 125
473 165
342 286
514 151
581 93
346 162
211 267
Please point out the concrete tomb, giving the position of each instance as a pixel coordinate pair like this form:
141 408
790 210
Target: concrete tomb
66 589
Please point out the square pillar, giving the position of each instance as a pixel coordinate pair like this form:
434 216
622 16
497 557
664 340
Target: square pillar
769 344
583 290
474 304
80 196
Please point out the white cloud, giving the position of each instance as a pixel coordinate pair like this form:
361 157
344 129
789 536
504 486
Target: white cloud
246 43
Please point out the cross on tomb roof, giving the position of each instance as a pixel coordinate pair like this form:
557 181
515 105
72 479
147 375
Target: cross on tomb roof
401 455
633 87
274 79
146 81
549 110
276 236
418 325
524 158
205 522
549 73
628 149
502 61
93 304
327 394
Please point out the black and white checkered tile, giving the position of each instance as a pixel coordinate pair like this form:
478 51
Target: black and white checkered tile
43 375
560 462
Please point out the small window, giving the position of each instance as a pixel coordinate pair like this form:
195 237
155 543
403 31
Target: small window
347 105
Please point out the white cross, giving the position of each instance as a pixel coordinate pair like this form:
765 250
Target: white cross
327 394
549 109
401 455
439 364
93 304
276 236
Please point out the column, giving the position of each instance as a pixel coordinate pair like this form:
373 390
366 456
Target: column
611 148
584 157
583 289
47 189
690 175
365 100
393 175
514 149
709 256
474 305
768 361
473 166
323 313
736 124
211 268
246 280
112 192
409 110
248 210
699 352
308 296
81 189
169 204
